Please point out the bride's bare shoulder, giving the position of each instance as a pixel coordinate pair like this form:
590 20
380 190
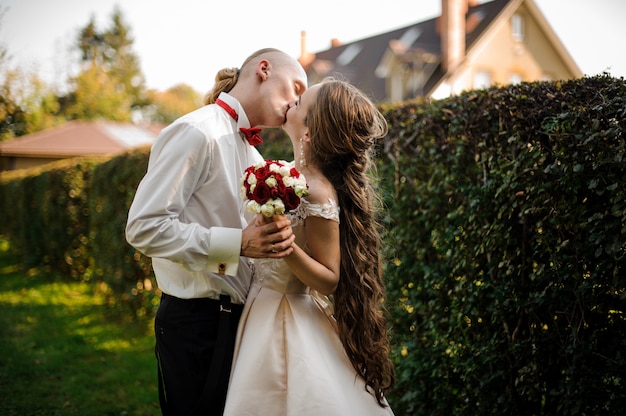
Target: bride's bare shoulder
321 191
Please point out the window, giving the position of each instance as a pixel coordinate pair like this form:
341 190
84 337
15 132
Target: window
482 79
517 27
515 78
349 54
410 36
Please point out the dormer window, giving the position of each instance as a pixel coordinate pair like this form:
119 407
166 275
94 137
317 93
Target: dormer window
515 78
517 27
410 36
482 79
349 54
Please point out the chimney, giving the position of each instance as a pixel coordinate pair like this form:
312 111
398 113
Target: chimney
306 57
303 51
453 13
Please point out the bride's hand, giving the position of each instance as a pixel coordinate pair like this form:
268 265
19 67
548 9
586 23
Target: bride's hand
267 237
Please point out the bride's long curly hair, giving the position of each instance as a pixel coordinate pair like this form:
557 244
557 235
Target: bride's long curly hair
344 125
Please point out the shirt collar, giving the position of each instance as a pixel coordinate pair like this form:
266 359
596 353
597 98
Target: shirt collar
234 103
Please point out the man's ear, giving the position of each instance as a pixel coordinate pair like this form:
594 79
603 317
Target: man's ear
263 69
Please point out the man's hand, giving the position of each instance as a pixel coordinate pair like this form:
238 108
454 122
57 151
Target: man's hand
264 238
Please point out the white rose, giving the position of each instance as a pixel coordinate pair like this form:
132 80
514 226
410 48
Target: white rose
279 206
253 207
271 181
267 209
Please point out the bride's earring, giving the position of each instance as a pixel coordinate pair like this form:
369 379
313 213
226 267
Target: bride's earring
302 155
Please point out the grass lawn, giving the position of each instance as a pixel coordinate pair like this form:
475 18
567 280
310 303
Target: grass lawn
61 355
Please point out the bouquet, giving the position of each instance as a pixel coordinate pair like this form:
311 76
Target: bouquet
272 187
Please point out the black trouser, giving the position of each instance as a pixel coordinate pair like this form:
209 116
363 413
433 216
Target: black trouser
194 354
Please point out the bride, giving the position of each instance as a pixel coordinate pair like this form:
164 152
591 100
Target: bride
313 339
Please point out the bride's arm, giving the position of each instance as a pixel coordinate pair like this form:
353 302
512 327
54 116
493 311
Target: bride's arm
320 270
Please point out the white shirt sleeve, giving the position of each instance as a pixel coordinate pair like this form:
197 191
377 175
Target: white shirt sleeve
224 250
166 220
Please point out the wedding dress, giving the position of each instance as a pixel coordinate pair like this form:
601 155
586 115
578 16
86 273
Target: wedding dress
288 359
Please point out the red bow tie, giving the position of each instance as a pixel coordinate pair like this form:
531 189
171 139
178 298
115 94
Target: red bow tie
252 135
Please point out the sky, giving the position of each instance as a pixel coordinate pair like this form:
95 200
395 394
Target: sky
188 41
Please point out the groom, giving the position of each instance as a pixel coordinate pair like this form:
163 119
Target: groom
187 216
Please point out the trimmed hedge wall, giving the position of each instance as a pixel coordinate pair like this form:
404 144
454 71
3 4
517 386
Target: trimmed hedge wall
505 239
127 273
68 217
45 215
507 242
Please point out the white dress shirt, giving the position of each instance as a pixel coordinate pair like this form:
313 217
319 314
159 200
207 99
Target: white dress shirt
187 214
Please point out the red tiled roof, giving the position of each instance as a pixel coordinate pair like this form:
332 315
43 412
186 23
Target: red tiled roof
79 138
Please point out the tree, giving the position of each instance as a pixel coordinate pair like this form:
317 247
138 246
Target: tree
27 103
173 103
110 84
124 63
12 116
96 96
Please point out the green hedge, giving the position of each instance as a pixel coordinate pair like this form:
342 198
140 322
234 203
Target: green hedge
45 215
505 239
506 245
126 272
69 216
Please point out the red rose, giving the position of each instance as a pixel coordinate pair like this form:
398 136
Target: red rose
280 187
293 172
261 193
291 200
262 173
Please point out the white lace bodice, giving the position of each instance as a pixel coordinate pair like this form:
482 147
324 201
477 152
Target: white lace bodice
330 211
275 273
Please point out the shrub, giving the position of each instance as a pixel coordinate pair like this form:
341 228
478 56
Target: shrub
126 272
506 236
45 215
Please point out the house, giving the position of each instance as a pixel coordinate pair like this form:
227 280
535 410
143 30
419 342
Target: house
472 45
75 138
